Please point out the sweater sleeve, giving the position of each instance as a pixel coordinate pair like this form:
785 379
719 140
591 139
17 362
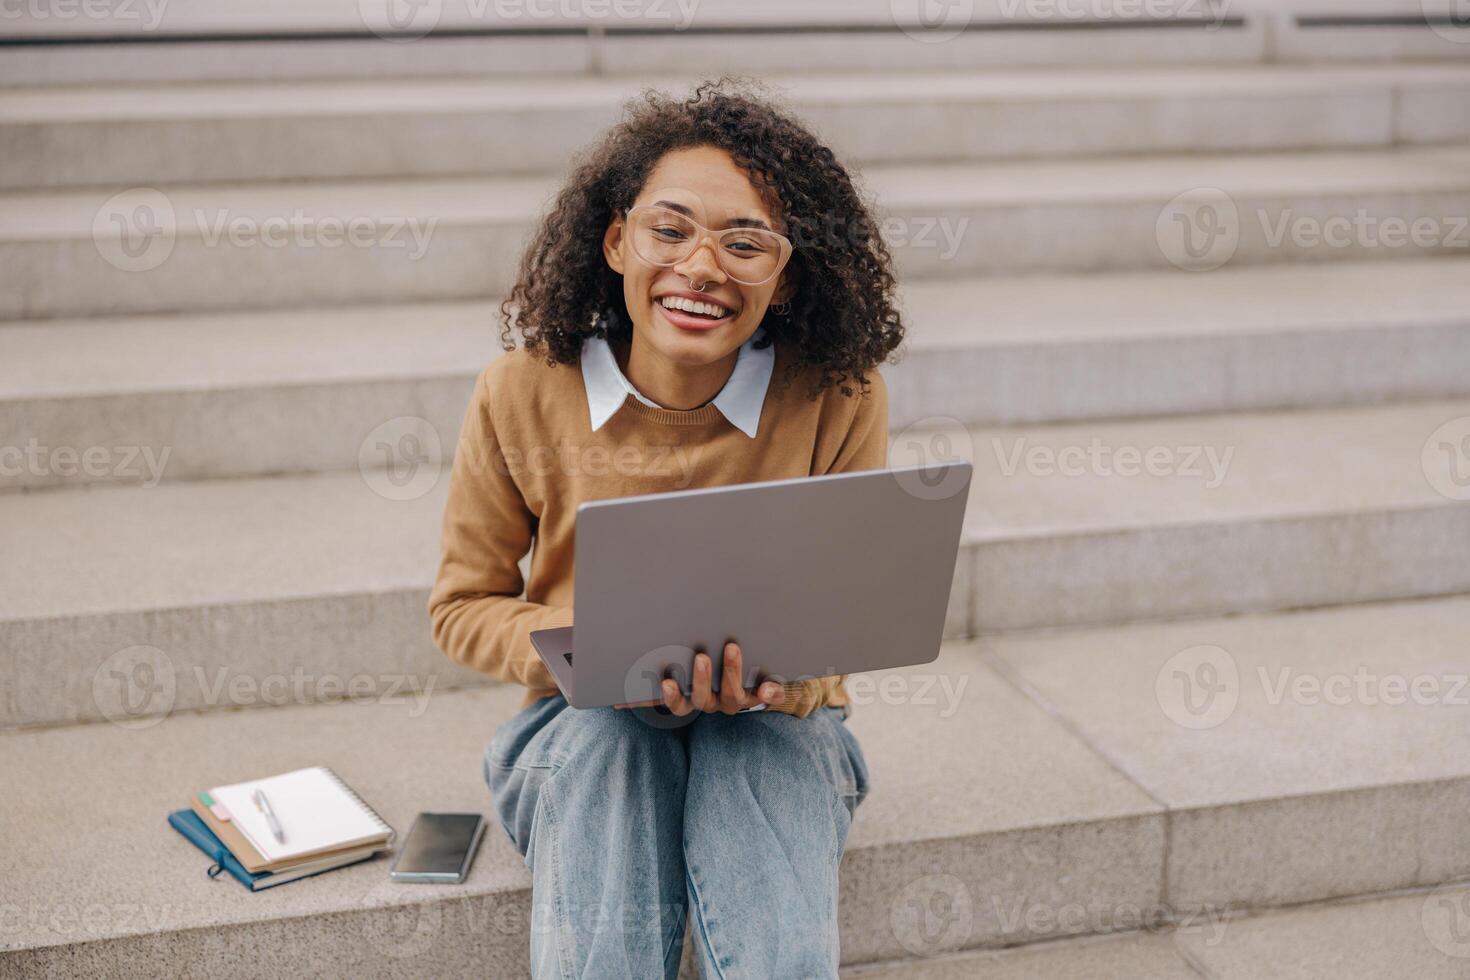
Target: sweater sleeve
478 617
864 447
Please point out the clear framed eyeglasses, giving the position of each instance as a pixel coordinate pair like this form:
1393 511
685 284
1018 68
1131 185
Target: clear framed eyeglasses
663 237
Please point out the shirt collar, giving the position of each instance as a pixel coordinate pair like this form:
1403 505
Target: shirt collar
739 401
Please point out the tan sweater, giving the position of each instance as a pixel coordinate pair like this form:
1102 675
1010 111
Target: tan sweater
527 456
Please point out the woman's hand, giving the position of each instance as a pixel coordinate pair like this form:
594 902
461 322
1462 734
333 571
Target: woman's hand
733 696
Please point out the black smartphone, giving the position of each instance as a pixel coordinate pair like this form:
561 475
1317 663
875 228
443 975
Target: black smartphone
439 847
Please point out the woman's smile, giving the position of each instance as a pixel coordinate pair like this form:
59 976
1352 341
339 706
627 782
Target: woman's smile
690 310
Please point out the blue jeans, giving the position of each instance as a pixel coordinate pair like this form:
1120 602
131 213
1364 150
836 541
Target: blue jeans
629 819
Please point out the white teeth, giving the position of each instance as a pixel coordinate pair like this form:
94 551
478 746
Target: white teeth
692 306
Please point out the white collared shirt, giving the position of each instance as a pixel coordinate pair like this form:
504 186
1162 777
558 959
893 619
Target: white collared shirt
739 401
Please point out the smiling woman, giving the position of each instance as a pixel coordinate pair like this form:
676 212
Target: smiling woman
706 303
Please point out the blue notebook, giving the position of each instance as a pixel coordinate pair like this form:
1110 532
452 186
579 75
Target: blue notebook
187 822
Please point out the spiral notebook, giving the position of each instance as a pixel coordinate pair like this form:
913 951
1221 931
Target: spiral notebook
317 811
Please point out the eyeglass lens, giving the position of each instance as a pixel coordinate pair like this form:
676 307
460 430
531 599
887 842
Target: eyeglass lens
665 237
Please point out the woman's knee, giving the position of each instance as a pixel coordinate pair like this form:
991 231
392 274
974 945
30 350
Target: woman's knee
619 739
596 760
608 746
755 746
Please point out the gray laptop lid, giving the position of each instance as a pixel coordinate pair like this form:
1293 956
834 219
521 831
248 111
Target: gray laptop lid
812 576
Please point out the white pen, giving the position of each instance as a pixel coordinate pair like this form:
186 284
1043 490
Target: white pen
264 806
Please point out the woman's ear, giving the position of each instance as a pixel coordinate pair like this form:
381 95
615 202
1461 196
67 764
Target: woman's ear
612 244
786 288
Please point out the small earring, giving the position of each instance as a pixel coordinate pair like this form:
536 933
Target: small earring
781 309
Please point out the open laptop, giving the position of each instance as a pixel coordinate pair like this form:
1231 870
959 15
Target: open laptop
812 576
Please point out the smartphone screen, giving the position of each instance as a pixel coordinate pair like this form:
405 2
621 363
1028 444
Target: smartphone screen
439 847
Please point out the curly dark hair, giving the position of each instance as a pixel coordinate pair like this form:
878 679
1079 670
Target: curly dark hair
842 319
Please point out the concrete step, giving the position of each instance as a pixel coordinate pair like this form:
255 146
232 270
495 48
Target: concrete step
237 593
230 593
311 18
288 245
171 134
695 53
211 395
1025 349
1054 830
1301 755
1138 955
214 395
1361 30
285 41
1414 933
317 580
1101 522
1038 818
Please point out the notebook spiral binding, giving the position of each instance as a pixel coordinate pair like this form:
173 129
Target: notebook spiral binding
360 802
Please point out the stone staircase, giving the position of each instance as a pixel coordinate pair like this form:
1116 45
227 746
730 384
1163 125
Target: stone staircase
1205 661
